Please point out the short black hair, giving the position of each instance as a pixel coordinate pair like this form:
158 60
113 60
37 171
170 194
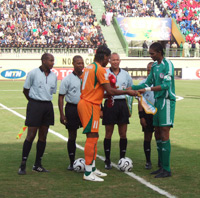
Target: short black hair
157 47
101 51
45 56
76 57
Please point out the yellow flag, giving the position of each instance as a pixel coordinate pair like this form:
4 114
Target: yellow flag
19 135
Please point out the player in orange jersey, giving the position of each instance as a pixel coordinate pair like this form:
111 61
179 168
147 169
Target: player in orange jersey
94 83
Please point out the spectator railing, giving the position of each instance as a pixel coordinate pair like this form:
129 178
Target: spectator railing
132 52
136 52
43 50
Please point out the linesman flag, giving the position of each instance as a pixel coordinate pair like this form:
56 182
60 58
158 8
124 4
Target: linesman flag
19 135
148 107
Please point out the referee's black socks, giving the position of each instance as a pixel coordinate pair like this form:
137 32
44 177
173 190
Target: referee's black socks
26 150
122 147
147 150
107 148
40 151
71 147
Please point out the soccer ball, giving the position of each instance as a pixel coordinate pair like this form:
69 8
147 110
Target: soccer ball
125 164
79 165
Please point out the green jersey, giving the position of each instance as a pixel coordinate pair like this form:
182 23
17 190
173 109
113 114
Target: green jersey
161 74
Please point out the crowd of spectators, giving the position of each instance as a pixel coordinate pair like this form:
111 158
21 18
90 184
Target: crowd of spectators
187 15
49 24
133 8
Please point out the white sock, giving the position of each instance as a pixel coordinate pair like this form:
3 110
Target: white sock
88 168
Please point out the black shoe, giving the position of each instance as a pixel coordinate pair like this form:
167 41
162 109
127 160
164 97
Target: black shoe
157 171
70 167
39 169
163 174
108 165
22 169
148 165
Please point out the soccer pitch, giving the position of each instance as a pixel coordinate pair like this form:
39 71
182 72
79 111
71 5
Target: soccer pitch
185 154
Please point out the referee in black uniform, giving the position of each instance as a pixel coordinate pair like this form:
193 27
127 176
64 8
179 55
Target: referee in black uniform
119 113
70 89
39 87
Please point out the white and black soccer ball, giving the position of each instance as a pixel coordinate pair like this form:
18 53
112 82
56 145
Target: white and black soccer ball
125 164
79 165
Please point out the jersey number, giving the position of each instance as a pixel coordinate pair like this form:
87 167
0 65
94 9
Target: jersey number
95 125
85 79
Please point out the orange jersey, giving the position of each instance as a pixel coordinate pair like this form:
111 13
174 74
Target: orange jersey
93 77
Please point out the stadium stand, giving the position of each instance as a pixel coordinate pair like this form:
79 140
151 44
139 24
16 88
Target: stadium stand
132 8
71 26
52 26
187 15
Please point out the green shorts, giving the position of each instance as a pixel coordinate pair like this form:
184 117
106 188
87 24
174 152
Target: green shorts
165 112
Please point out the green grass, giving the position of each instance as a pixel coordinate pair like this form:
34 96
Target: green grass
185 155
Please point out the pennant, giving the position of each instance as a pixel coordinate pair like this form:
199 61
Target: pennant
129 103
19 135
148 107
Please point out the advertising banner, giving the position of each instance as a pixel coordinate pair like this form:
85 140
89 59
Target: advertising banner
153 29
191 73
66 61
62 72
20 74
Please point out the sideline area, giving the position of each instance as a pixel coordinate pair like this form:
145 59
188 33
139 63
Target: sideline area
131 174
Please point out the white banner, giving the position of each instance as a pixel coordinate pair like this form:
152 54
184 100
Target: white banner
191 73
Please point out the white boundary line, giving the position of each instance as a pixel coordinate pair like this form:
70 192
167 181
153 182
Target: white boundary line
135 103
11 90
131 174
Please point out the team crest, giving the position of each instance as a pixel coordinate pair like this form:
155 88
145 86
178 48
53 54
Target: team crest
161 75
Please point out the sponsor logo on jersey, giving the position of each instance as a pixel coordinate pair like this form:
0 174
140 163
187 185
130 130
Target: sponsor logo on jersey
13 74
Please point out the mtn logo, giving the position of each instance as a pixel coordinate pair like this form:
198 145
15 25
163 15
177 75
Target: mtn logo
13 74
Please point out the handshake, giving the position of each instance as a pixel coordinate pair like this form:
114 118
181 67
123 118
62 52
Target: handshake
127 91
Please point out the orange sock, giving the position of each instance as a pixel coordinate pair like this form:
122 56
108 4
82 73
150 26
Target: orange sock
95 154
90 150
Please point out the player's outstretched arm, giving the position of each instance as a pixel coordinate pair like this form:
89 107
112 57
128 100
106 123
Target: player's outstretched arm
111 91
156 88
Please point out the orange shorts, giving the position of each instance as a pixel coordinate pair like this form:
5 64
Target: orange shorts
89 115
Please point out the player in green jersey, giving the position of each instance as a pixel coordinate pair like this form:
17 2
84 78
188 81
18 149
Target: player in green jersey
161 78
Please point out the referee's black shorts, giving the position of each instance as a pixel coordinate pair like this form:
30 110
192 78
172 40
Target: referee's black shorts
149 121
73 120
118 114
39 113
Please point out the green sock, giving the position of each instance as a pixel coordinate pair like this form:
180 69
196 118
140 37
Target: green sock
159 149
93 169
166 150
87 173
